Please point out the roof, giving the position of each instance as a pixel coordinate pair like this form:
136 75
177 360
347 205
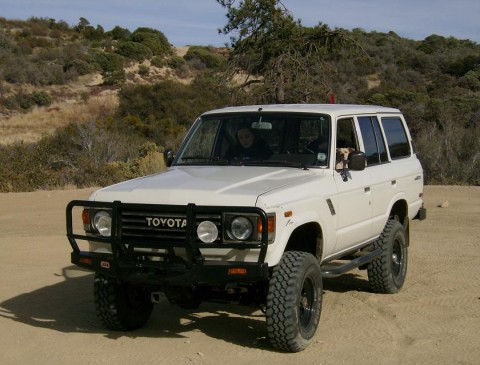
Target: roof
332 109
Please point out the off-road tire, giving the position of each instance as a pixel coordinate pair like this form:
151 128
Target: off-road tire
386 274
121 306
294 301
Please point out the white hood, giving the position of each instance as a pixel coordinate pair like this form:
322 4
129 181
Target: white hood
203 185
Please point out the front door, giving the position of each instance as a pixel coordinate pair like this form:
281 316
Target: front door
354 199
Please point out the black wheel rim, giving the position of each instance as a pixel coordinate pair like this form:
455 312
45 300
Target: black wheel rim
306 307
397 258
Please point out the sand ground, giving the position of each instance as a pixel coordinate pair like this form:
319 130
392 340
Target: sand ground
47 313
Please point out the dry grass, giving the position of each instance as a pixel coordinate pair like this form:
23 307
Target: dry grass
40 121
79 101
373 81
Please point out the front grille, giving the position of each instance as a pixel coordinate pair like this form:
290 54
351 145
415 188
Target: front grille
160 227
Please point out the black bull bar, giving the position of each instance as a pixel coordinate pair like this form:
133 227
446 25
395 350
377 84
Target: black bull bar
167 268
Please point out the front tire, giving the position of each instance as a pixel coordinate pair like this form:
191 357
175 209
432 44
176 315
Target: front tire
387 273
121 306
294 301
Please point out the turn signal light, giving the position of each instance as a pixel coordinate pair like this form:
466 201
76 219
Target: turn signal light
85 217
237 271
85 260
270 223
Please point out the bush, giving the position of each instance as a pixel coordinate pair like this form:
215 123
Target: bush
114 78
157 61
81 67
94 34
164 110
26 101
112 67
176 62
207 56
143 70
90 154
135 51
119 33
153 39
108 62
471 80
151 160
41 98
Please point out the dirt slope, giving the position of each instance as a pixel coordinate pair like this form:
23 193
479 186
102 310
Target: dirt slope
47 314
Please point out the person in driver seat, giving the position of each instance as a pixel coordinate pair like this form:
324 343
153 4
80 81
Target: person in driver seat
248 146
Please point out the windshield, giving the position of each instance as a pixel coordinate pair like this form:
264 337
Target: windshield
259 139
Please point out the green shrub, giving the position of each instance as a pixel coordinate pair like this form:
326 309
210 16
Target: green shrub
176 62
41 98
80 66
135 51
207 56
471 80
153 39
114 78
150 161
119 33
157 61
112 67
109 62
94 34
26 101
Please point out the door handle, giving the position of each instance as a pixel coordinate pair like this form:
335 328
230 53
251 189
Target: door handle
367 189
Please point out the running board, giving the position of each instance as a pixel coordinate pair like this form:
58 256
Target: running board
332 271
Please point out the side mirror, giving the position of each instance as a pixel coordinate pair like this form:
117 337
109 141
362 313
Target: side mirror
357 161
168 157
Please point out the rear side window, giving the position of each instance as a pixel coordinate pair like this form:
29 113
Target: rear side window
375 150
396 137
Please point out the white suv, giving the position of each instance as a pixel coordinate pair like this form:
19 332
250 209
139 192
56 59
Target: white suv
259 204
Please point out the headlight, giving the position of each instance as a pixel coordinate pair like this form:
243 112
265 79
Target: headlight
103 223
247 227
241 228
207 232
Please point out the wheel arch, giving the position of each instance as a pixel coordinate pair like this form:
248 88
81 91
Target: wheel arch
399 212
307 237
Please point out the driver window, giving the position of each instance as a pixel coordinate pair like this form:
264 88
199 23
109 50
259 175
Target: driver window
346 141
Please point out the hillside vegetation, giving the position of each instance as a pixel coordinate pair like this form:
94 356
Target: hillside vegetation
81 106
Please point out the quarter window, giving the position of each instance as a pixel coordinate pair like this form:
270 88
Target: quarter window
396 138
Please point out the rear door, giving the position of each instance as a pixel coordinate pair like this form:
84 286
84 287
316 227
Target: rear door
382 173
405 171
392 165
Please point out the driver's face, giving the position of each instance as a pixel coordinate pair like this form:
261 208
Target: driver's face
245 137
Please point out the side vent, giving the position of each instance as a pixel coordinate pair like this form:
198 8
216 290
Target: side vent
330 205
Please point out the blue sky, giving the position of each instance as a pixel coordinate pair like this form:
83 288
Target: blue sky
188 22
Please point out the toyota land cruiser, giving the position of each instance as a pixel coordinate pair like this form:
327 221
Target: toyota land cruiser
257 207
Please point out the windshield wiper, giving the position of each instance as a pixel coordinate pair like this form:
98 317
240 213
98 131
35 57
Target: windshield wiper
296 164
216 160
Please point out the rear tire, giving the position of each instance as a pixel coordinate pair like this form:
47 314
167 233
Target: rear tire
294 301
387 273
121 306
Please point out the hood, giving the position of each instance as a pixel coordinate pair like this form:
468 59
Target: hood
203 185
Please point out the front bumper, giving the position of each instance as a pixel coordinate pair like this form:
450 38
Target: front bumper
172 274
167 268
